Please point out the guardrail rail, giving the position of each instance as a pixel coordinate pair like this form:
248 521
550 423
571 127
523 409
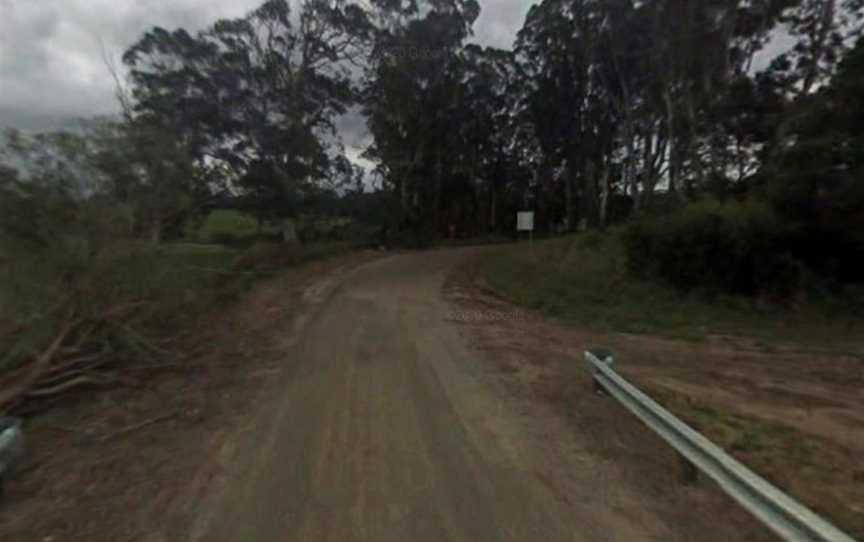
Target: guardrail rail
784 515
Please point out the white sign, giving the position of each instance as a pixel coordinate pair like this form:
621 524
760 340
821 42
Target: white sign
525 221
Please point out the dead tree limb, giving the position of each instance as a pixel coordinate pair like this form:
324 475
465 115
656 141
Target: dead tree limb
12 395
138 426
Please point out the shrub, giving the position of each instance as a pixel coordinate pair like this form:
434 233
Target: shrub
729 247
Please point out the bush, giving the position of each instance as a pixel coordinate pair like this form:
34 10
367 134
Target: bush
730 247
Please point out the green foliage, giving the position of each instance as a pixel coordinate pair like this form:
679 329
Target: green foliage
729 247
169 285
436 109
77 233
228 227
816 182
585 280
281 78
137 173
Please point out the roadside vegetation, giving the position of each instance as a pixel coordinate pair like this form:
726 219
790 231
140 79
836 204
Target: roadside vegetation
588 280
103 268
756 373
777 258
73 321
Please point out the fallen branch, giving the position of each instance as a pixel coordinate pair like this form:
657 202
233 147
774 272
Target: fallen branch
11 396
139 340
180 365
121 309
160 366
84 380
138 426
67 374
83 351
82 338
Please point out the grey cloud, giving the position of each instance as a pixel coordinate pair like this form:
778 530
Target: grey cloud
499 22
52 70
51 64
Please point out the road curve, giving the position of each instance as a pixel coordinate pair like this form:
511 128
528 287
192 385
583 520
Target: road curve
383 432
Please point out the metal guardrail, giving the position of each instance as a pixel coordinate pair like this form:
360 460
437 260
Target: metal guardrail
11 446
787 517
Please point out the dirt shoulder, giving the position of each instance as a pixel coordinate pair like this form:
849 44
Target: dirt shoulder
113 464
796 418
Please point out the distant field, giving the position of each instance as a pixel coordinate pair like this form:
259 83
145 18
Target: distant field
583 280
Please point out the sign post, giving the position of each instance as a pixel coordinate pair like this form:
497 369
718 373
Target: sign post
525 222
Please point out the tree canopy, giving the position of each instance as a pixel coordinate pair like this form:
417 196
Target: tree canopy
601 110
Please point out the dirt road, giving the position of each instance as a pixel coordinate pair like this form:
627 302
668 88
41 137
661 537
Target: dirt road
357 399
383 430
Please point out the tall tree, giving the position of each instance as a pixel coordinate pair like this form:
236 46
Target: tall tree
259 93
410 93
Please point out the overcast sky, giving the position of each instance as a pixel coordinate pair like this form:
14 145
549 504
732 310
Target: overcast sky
51 66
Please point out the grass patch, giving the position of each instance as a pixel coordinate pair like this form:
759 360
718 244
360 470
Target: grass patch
584 280
820 474
229 226
744 436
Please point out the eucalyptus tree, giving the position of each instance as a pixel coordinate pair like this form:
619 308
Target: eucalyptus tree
259 93
411 97
823 31
490 154
815 181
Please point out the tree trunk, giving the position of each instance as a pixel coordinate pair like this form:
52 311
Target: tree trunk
820 45
571 181
605 196
692 147
590 200
674 165
493 207
439 185
289 232
155 233
480 202
674 142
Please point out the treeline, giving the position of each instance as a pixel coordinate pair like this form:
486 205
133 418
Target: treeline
604 110
739 179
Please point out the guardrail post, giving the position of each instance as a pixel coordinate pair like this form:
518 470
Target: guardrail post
606 357
689 472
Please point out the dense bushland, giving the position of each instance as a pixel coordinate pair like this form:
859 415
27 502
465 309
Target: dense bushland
720 247
588 279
